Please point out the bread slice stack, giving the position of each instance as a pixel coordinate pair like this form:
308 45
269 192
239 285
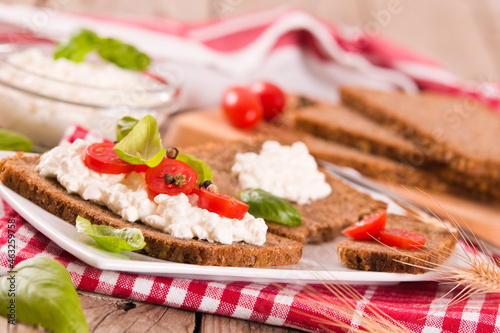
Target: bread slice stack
427 140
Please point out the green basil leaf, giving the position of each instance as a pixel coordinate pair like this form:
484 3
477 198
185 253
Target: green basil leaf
124 126
39 291
202 169
270 208
111 239
123 55
142 145
10 140
77 48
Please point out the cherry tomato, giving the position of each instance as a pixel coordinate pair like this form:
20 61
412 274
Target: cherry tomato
141 168
155 181
403 239
242 108
221 204
271 98
101 158
368 228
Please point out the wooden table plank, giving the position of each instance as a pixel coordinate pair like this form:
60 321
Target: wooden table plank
211 323
110 314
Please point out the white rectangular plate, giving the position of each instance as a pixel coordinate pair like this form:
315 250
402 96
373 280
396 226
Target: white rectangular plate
319 263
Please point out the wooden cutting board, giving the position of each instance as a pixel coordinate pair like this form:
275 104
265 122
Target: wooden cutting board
202 126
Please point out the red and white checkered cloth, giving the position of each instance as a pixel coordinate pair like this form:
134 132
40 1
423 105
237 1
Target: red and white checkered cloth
419 306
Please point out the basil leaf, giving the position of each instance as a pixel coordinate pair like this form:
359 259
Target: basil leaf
123 55
39 291
124 126
77 48
111 239
270 208
10 140
202 169
142 145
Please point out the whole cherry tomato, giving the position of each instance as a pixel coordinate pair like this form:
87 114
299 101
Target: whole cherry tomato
271 97
102 158
241 107
368 228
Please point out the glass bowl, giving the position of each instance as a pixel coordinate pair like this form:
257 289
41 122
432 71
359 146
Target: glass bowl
41 98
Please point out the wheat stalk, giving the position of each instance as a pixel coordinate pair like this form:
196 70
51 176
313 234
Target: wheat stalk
479 273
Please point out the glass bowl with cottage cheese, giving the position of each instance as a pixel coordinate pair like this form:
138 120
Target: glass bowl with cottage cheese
41 97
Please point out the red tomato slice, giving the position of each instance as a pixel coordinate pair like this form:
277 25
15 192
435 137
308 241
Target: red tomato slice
101 158
141 168
271 97
404 239
221 204
367 228
242 108
156 184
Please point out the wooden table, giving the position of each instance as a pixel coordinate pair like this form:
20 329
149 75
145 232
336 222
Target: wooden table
464 35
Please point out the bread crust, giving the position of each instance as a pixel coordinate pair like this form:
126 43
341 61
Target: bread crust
18 173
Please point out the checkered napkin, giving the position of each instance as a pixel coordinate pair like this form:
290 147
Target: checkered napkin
419 306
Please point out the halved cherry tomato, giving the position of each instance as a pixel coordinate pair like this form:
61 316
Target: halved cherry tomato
242 108
156 184
221 204
403 239
367 228
271 98
101 157
141 168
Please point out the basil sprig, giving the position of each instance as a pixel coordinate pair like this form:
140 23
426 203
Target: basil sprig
111 239
10 140
124 126
113 50
202 169
39 291
271 208
142 145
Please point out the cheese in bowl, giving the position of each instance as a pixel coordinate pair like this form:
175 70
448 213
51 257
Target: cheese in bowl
41 96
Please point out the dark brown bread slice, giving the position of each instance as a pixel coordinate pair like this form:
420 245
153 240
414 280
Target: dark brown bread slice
455 131
18 173
408 166
345 126
322 219
374 256
376 167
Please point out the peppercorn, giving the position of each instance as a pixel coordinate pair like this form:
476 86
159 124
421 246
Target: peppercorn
205 184
168 178
212 188
180 180
172 153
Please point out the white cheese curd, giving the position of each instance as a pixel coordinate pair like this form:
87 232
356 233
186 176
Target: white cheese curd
127 196
102 92
288 172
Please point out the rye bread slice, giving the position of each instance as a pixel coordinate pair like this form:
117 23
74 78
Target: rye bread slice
373 166
322 219
18 173
343 125
457 131
383 154
373 256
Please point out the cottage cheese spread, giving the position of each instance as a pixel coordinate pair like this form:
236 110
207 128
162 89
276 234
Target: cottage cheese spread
288 172
102 92
126 195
